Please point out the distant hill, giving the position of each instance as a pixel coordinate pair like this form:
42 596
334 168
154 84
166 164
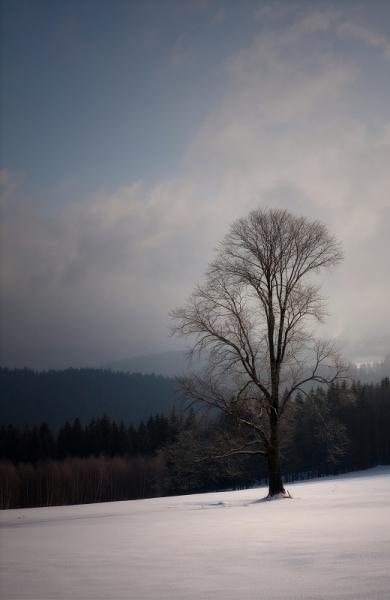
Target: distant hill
30 397
372 372
129 390
169 364
173 364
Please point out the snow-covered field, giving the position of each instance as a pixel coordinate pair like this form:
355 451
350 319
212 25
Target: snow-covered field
331 541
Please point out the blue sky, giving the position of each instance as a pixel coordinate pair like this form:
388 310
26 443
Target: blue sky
134 133
102 92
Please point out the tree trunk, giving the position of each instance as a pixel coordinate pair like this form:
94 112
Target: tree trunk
275 484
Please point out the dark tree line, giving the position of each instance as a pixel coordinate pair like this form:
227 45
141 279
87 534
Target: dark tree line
344 428
101 436
80 481
29 397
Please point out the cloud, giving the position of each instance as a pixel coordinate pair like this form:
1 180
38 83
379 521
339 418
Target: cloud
8 184
4 177
291 132
371 38
274 10
96 281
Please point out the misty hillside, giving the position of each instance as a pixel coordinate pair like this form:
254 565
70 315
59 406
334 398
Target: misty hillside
173 364
169 364
30 397
372 372
129 390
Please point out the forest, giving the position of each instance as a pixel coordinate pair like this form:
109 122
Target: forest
342 429
30 397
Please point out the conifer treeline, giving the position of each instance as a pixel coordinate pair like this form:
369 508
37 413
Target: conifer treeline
345 428
102 436
30 397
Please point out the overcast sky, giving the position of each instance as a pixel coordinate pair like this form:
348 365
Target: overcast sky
134 133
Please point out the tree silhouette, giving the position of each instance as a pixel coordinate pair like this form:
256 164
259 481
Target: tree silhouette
251 317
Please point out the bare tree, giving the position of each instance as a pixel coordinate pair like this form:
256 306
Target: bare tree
251 318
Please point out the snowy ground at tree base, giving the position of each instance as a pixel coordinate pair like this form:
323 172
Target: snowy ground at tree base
331 541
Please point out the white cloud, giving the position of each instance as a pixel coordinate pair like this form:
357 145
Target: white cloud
377 40
99 279
291 133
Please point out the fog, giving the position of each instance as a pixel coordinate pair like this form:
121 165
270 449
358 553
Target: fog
293 112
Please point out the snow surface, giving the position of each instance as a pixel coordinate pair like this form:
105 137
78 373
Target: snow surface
332 541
